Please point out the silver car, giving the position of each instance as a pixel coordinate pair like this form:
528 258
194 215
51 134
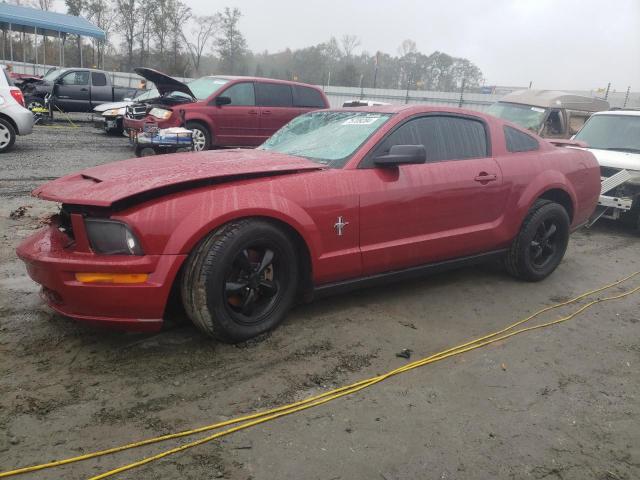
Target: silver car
14 118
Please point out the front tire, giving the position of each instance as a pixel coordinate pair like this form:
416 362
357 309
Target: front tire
7 136
201 136
241 280
541 243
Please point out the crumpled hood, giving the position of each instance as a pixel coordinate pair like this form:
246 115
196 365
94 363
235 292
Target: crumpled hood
614 159
104 185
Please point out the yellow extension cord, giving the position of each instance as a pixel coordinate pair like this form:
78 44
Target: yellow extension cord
262 417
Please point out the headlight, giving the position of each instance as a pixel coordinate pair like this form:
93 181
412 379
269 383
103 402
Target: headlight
114 112
110 237
160 113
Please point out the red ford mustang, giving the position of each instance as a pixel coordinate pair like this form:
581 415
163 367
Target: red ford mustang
334 200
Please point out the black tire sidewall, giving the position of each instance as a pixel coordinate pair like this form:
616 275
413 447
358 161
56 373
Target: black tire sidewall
216 264
12 136
546 212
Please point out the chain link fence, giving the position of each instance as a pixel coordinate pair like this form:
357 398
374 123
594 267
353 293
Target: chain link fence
338 95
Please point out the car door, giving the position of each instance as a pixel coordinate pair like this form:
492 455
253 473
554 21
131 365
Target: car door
72 91
236 123
446 208
101 91
276 107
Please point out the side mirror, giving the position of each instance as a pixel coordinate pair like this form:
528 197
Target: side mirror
222 101
401 155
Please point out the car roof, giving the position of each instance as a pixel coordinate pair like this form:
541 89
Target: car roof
556 99
262 79
629 113
411 110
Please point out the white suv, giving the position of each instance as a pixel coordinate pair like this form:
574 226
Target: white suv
14 118
614 138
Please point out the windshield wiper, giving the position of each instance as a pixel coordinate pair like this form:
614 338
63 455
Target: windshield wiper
623 149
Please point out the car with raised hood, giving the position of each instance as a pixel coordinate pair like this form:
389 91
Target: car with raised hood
334 200
112 114
223 111
614 138
15 119
549 113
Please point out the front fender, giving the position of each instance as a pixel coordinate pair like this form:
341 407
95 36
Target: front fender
190 116
209 216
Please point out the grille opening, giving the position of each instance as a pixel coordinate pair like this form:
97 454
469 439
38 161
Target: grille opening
64 222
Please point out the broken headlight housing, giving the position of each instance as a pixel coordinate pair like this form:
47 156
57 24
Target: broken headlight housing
110 237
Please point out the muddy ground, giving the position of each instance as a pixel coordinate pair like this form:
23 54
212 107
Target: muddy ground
560 403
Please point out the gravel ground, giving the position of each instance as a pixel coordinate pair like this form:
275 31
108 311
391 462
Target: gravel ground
561 403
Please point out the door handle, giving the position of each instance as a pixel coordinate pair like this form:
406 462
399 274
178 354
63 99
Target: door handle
484 177
84 89
252 112
266 112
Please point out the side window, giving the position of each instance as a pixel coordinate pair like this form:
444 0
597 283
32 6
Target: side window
241 94
273 95
554 124
443 137
518 141
306 97
98 79
76 78
576 121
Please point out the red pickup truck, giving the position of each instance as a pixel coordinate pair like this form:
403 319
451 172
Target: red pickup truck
223 111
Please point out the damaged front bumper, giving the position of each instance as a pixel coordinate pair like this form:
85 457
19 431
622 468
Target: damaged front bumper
52 260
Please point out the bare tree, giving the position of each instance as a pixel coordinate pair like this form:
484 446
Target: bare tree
45 4
349 44
230 44
160 21
144 30
202 34
180 15
407 47
127 18
100 13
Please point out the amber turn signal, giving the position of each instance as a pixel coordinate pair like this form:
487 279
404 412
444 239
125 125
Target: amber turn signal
112 277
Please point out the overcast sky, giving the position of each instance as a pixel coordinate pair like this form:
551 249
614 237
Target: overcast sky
565 44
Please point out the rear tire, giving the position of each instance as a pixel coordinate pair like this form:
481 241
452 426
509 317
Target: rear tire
241 280
541 243
201 136
7 136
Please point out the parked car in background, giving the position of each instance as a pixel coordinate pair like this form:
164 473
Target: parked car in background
224 111
75 90
15 119
334 200
363 103
549 113
614 138
112 114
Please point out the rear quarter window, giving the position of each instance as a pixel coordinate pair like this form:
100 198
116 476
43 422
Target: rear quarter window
518 141
98 79
306 97
273 95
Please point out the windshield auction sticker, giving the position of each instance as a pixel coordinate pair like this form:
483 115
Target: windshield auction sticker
368 120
